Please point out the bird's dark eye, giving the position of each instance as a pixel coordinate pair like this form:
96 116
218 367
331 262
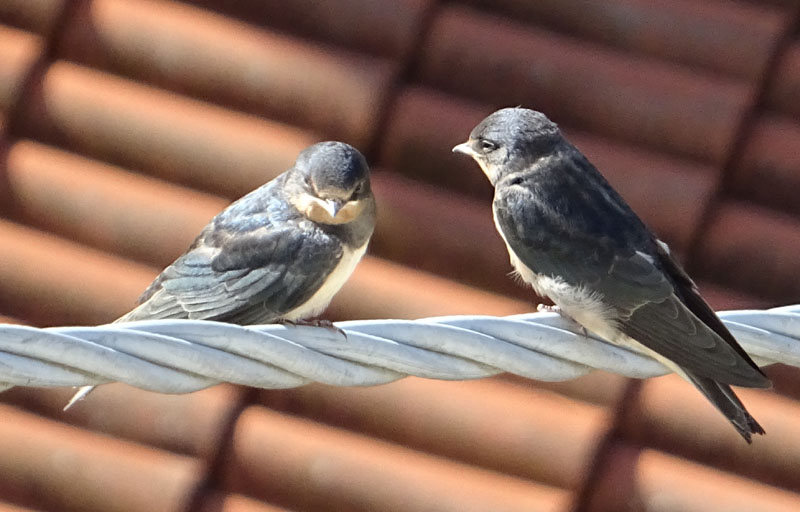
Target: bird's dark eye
358 191
487 145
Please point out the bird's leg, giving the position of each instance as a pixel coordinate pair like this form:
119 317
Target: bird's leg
314 322
546 308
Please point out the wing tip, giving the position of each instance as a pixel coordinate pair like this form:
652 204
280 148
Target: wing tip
750 427
748 377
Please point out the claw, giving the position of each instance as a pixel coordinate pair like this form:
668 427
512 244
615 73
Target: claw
546 308
316 322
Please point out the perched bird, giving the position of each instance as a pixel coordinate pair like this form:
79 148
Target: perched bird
576 241
280 253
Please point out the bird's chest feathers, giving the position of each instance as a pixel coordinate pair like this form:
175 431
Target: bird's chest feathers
323 296
579 303
527 275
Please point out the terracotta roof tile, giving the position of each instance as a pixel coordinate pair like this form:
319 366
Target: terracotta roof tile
421 131
192 424
50 189
722 298
785 380
648 480
18 52
49 280
753 249
701 433
128 124
388 29
159 132
599 388
640 100
221 502
36 15
5 507
459 421
9 320
728 37
382 289
104 206
670 193
57 467
305 466
423 227
769 169
190 50
786 82
781 3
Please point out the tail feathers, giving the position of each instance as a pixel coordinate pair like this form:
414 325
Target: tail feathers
83 391
723 398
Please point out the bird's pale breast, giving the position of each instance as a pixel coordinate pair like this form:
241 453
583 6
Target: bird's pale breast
322 297
579 303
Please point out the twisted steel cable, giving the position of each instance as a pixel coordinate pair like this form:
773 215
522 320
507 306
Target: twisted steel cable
181 356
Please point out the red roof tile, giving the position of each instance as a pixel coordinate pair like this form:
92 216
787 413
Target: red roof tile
459 421
5 507
382 289
701 433
660 105
423 227
18 52
221 502
159 132
56 467
644 481
422 129
728 37
305 466
387 29
39 16
722 298
769 168
785 87
599 388
670 193
750 248
49 280
111 109
193 424
196 52
104 206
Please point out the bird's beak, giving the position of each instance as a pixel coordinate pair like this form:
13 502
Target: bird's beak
465 149
332 206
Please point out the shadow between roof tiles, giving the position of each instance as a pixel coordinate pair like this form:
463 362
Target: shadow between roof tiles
748 123
212 481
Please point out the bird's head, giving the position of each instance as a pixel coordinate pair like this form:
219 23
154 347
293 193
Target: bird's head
510 140
331 182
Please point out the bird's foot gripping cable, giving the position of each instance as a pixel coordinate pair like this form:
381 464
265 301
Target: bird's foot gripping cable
547 308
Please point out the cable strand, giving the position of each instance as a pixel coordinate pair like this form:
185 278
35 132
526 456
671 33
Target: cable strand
181 356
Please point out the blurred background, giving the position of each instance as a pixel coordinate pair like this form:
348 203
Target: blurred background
125 125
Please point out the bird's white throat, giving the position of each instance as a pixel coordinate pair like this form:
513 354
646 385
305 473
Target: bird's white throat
320 210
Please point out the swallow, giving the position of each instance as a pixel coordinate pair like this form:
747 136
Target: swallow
278 254
574 240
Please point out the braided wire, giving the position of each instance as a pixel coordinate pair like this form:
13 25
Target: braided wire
181 356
